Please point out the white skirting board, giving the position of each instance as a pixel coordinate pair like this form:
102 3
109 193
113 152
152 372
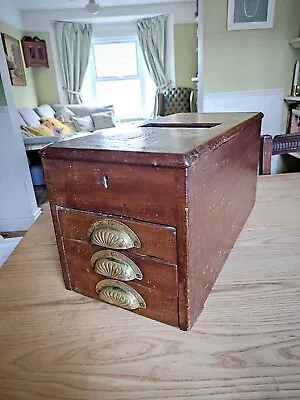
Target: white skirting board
268 101
18 224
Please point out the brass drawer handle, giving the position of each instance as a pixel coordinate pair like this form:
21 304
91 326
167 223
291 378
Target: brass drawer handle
119 294
113 235
115 265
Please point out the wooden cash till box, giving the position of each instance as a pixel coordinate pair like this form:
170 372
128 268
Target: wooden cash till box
146 217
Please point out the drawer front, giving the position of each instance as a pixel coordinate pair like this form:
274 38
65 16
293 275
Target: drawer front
119 234
157 286
145 193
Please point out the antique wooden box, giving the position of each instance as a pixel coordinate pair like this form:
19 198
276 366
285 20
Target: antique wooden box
146 217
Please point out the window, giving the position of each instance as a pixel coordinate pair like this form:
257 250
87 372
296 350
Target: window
122 79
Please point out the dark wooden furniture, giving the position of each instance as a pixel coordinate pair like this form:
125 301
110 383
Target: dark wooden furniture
292 104
295 122
280 144
146 217
35 52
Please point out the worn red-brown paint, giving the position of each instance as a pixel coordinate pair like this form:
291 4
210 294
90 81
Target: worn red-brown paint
186 192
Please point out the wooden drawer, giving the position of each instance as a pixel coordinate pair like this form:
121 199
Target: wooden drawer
158 286
132 191
156 240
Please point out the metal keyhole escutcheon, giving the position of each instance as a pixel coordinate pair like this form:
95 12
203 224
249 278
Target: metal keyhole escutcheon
105 182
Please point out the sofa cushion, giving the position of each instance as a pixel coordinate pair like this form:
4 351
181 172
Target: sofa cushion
83 124
103 120
45 111
58 125
41 130
81 110
71 126
64 114
30 116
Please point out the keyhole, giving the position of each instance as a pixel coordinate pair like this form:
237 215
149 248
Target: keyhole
105 182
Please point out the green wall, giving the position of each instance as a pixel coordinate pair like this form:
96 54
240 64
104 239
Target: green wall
249 59
24 96
41 85
45 78
185 46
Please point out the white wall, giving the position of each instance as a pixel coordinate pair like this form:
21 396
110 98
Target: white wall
18 208
180 12
183 12
9 14
268 101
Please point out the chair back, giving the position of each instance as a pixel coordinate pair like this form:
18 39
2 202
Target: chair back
175 100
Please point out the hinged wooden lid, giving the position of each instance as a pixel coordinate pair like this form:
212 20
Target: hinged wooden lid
183 139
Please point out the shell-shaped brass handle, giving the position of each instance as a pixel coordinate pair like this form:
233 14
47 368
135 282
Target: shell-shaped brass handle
119 294
115 265
113 235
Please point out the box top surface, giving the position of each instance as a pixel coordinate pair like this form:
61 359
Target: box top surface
177 140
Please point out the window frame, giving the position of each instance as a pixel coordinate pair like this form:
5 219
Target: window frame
117 40
140 68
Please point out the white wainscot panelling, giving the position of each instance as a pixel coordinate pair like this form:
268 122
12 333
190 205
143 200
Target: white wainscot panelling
269 102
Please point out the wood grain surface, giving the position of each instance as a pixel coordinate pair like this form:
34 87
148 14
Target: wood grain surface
56 344
207 200
222 191
133 191
157 146
158 287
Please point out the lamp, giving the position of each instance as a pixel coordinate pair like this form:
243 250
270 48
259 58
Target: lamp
93 7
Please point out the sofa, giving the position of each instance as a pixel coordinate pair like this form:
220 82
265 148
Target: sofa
32 117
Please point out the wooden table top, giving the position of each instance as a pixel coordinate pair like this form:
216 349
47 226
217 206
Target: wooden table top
56 344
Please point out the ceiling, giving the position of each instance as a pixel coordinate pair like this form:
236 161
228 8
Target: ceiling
63 4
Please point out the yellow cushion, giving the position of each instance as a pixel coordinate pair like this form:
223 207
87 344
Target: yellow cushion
71 126
40 131
57 124
52 127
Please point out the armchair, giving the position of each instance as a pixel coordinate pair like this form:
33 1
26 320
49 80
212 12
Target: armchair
175 100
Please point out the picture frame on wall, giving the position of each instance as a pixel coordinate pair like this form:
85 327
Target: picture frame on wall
250 14
15 64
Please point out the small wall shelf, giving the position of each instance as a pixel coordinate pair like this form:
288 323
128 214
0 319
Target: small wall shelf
296 43
35 52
